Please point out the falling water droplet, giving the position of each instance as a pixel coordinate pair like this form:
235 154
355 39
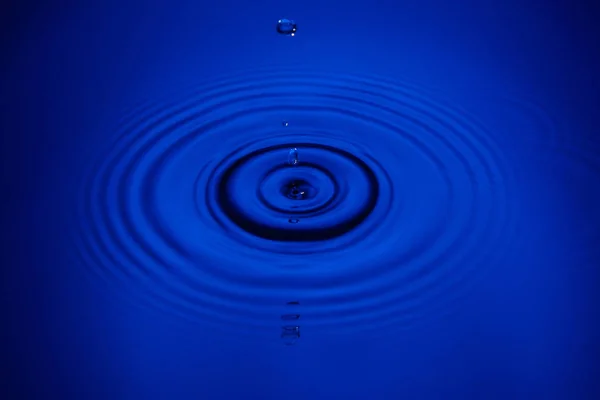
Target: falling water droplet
285 123
286 27
293 156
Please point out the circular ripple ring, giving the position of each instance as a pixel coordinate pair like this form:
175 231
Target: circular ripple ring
397 204
352 197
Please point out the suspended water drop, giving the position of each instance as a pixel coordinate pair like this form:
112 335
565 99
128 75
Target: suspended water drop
286 27
285 123
293 156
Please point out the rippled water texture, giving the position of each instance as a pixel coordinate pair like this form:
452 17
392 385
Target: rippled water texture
397 205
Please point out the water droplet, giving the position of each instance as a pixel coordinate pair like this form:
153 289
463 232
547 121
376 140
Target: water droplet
296 193
293 156
296 190
285 123
286 27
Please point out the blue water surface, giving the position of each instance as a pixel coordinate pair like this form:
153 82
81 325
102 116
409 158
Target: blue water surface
398 201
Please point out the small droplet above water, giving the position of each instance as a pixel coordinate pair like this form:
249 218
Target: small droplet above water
285 123
286 27
293 156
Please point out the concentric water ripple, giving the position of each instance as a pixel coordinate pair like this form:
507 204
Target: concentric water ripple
397 205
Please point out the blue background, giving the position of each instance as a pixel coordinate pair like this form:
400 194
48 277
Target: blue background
527 328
